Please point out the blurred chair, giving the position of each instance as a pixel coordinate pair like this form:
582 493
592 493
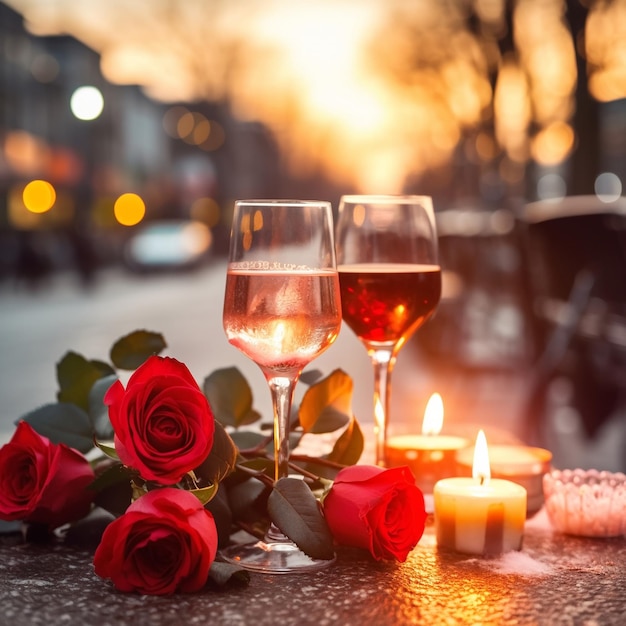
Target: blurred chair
575 261
478 326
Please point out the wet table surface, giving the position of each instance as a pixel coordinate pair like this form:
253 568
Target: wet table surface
555 579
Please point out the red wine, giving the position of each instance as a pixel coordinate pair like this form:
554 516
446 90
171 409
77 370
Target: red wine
388 302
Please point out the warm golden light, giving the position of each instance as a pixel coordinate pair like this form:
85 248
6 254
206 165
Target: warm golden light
25 153
205 210
433 416
197 237
605 47
278 336
39 196
171 119
481 469
184 126
246 231
216 137
512 109
129 209
358 216
337 101
553 144
201 130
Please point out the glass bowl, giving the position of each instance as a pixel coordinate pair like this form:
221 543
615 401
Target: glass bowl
588 503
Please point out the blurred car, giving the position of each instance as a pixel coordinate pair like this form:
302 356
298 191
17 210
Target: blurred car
168 245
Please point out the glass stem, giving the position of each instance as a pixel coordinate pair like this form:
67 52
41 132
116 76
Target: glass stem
281 388
383 360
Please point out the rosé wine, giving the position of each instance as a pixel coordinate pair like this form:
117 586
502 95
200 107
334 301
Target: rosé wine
281 320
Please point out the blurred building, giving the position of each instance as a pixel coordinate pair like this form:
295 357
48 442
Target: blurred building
184 161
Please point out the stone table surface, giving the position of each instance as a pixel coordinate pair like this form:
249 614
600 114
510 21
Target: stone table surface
555 579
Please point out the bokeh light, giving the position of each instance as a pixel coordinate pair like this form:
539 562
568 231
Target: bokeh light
87 103
44 68
39 196
608 187
129 209
194 128
205 210
553 144
25 153
551 186
364 92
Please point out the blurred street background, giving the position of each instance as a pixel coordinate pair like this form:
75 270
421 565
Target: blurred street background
127 130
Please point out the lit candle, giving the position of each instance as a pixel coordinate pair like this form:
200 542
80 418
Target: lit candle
430 456
524 465
480 515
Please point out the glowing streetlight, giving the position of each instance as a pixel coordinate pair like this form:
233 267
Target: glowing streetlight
87 103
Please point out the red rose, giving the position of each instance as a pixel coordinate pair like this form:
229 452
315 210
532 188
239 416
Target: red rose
42 482
165 542
162 421
379 509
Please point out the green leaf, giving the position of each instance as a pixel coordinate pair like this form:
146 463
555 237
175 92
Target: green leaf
294 509
349 447
250 440
114 474
205 494
7 528
247 500
310 377
327 405
130 351
108 447
245 439
222 516
260 464
222 574
230 397
113 489
63 422
76 376
98 411
222 458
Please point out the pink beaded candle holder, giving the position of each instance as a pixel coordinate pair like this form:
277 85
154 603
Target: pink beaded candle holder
589 503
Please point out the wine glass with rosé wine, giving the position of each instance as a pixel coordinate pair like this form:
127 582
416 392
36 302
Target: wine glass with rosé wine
390 279
282 309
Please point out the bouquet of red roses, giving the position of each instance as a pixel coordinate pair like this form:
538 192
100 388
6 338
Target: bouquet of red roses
179 468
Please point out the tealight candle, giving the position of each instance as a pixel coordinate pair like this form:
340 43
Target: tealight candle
479 515
430 456
524 465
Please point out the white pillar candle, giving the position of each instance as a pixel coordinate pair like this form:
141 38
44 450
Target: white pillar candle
524 465
479 515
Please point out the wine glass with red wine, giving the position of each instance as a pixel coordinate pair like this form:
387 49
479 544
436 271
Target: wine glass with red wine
390 280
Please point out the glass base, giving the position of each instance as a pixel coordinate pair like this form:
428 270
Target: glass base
273 557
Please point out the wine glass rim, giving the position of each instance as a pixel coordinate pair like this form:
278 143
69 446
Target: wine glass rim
386 198
282 202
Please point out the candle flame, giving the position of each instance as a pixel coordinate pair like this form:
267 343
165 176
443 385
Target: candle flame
481 469
433 416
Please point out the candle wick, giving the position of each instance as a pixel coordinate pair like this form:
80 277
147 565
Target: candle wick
482 480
